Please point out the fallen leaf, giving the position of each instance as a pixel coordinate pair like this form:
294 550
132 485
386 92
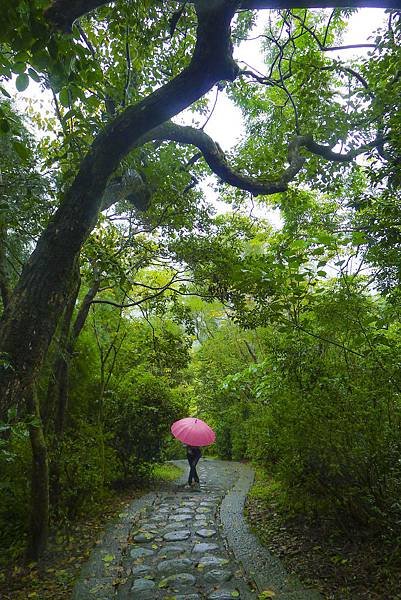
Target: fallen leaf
108 558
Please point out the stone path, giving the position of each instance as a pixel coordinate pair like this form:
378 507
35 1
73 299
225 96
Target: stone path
173 545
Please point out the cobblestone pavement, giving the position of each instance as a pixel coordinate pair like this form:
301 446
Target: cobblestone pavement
176 548
187 544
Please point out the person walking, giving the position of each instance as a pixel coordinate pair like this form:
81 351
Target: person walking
193 455
193 433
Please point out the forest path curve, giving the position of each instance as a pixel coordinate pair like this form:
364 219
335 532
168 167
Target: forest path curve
187 544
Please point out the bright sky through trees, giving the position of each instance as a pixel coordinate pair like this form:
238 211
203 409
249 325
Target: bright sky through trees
225 123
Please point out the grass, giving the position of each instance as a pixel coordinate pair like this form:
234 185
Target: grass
166 472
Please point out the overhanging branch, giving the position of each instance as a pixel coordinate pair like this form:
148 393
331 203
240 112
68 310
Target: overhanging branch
62 13
217 161
307 141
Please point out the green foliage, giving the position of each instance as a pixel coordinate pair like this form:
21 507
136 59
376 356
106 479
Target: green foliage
310 385
322 416
139 413
15 461
87 466
166 472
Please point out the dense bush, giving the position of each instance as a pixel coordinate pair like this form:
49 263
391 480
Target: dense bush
140 411
321 409
117 424
15 461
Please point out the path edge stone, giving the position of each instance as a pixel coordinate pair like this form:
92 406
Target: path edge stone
262 567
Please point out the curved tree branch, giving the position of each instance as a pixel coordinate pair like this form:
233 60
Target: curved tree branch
62 13
217 161
307 141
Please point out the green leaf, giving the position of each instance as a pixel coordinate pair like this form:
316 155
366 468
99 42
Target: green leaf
299 244
33 75
358 238
22 82
64 97
22 151
19 67
322 273
107 558
4 126
4 92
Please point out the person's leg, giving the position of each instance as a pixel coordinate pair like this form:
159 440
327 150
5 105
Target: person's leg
195 474
191 471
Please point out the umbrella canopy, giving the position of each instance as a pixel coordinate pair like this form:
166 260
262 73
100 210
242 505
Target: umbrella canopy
193 431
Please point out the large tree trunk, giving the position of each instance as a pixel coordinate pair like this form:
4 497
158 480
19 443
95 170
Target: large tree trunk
40 296
39 518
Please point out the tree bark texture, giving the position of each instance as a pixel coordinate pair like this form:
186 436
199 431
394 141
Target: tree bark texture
39 298
39 519
62 368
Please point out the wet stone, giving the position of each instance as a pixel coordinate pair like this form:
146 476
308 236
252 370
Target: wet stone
206 533
173 526
203 547
172 549
203 524
183 510
141 570
212 561
175 565
203 509
151 527
223 594
140 552
217 576
178 580
177 536
187 597
142 584
180 517
159 519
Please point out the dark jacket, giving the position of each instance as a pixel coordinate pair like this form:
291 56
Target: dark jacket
193 453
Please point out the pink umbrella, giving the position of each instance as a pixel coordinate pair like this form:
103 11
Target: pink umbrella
193 431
